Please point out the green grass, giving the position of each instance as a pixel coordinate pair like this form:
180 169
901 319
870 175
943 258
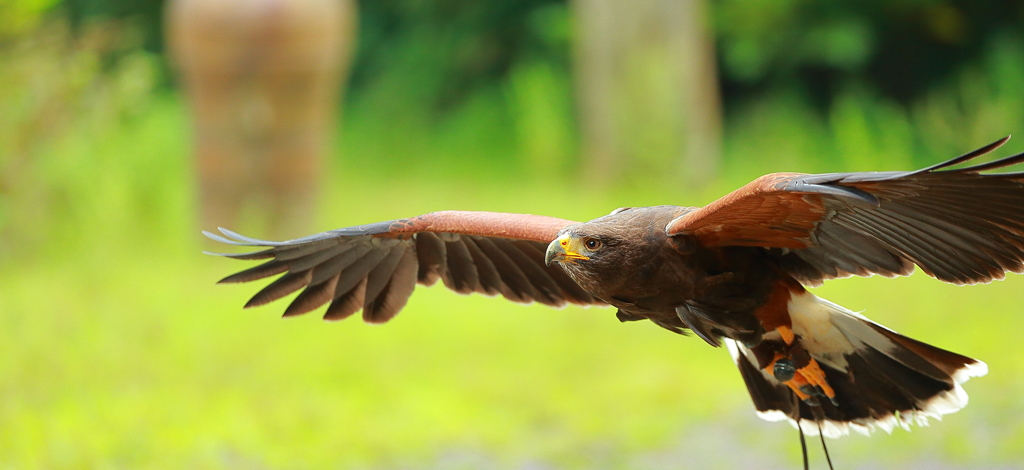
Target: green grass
143 363
118 351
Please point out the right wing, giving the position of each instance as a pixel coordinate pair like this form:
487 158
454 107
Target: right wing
959 225
375 267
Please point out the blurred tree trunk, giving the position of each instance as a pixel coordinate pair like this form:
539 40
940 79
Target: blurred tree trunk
647 89
263 80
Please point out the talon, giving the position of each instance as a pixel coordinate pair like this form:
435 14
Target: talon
813 374
812 394
796 385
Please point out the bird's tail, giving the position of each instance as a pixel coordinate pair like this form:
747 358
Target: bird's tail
877 377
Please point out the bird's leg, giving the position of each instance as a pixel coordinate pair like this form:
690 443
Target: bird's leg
815 377
787 334
798 370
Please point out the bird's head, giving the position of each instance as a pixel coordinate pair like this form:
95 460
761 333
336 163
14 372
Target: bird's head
610 244
598 244
610 253
575 246
590 256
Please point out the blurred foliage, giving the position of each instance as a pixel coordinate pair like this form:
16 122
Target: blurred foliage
62 96
900 49
455 48
21 16
147 15
500 72
444 51
117 350
864 129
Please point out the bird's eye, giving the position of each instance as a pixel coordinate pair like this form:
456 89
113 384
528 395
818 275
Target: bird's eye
592 243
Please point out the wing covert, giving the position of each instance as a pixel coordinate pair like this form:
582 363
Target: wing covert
375 267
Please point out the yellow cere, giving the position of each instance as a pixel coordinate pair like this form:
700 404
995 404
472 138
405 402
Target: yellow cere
569 246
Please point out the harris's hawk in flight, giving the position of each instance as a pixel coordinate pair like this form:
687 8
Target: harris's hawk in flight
733 272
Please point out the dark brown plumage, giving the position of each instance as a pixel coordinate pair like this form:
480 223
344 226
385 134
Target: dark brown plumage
733 271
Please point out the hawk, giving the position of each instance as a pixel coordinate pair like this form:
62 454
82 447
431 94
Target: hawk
733 272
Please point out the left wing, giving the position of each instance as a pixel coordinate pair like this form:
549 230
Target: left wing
959 225
375 267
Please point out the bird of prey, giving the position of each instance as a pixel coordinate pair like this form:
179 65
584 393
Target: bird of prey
733 272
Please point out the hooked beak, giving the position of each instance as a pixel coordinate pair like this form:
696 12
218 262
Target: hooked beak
564 248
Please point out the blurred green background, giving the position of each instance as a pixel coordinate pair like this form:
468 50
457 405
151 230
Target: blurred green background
117 350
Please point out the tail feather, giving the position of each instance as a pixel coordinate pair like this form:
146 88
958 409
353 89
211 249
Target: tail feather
881 379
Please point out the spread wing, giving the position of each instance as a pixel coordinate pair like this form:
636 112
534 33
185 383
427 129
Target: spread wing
958 225
375 267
